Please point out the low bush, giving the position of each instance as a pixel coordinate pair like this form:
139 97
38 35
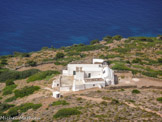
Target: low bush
94 41
137 60
41 75
160 60
3 62
146 39
66 112
80 48
107 38
135 91
104 103
10 99
72 53
122 50
27 90
61 63
117 37
120 66
21 54
150 74
9 82
3 70
27 106
9 89
159 99
59 55
15 111
60 102
159 52
79 99
106 98
31 63
15 75
44 48
4 107
114 101
132 101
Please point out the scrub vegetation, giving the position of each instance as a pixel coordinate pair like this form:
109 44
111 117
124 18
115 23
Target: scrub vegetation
24 77
41 75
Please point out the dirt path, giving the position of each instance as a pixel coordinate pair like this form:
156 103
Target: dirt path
129 104
91 98
142 108
49 89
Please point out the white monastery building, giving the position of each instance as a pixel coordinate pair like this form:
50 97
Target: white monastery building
84 76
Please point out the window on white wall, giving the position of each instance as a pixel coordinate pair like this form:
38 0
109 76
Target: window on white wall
74 72
89 75
103 71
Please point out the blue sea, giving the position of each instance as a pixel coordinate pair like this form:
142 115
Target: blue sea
29 25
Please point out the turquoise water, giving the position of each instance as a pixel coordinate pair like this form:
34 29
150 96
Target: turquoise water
28 25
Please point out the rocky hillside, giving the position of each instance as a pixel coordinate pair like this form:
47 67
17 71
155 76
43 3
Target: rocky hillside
141 55
25 82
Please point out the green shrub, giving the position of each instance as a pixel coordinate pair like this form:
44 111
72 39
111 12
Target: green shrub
27 90
128 62
159 52
9 82
150 74
41 75
107 38
122 50
79 99
59 55
44 48
61 63
80 48
4 107
15 111
112 56
160 60
106 98
132 101
147 39
10 99
31 63
117 37
114 101
25 55
60 102
27 73
139 54
15 75
3 70
66 112
122 89
72 53
159 99
135 91
25 107
104 103
3 62
137 60
9 89
94 41
160 37
21 54
120 66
